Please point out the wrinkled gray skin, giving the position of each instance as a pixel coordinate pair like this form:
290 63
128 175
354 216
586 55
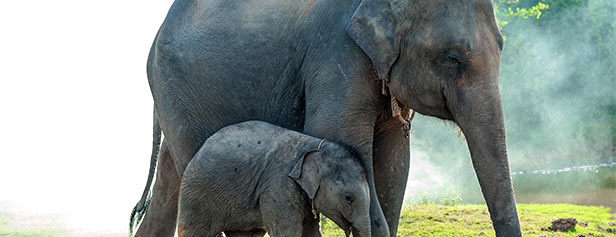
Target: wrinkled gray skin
256 176
314 66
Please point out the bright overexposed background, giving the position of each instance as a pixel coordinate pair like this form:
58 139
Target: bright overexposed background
75 110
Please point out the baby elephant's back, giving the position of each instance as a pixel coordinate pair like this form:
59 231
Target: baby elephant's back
239 150
243 142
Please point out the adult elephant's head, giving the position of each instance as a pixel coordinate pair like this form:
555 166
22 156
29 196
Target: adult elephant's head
442 59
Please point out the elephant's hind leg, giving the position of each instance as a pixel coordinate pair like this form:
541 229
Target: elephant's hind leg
160 217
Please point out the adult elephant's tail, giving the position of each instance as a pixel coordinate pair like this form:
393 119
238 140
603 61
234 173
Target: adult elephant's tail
141 207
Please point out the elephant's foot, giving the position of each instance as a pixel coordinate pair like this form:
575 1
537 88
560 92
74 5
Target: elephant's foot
160 217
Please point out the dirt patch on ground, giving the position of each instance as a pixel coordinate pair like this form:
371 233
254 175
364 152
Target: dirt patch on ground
610 230
563 224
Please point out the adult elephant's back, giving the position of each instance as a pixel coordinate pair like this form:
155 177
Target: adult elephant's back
216 63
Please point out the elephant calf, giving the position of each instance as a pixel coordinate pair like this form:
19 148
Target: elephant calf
253 177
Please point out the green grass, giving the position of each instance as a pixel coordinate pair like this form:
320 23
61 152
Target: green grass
474 220
7 230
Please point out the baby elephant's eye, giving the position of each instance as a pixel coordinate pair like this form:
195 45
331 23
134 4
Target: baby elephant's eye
348 198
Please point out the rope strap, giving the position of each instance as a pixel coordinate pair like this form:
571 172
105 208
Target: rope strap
396 110
314 211
320 144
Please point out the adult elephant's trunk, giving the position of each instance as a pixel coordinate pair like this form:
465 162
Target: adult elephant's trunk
479 113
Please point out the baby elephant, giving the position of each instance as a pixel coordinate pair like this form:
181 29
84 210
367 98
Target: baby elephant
253 177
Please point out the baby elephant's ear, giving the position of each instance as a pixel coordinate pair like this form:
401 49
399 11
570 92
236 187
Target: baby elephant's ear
306 172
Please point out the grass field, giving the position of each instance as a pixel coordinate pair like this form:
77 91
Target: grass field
460 220
474 220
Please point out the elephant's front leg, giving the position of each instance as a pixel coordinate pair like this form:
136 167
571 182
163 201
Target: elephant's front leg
357 135
282 216
345 111
391 167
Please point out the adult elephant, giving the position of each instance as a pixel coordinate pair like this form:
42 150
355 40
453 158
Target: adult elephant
317 66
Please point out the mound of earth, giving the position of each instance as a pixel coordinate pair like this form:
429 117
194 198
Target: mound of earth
563 224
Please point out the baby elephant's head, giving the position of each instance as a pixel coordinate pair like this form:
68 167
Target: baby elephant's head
335 180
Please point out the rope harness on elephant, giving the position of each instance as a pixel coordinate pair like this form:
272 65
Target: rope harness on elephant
397 111
320 144
314 211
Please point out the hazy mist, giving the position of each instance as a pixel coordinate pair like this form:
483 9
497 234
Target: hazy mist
558 86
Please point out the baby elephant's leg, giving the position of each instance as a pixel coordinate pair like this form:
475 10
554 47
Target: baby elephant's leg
281 220
255 233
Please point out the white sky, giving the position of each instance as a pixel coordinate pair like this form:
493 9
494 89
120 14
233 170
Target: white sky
75 107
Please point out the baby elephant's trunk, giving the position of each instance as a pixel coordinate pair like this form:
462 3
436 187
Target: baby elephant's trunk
361 226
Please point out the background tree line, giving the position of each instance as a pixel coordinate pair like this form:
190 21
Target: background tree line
558 78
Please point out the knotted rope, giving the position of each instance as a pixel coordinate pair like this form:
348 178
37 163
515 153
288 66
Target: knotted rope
314 211
396 110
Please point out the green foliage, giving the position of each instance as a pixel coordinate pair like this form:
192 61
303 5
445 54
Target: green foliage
451 198
508 14
525 13
474 220
425 199
558 83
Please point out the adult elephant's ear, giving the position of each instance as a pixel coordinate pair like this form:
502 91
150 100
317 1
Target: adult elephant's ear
375 28
306 172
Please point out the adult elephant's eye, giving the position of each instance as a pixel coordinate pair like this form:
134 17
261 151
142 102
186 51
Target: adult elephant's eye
348 198
450 60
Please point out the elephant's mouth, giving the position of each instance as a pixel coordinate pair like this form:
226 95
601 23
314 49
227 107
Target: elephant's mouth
448 113
347 226
344 224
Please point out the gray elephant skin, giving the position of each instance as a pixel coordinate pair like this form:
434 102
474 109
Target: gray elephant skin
318 67
255 176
